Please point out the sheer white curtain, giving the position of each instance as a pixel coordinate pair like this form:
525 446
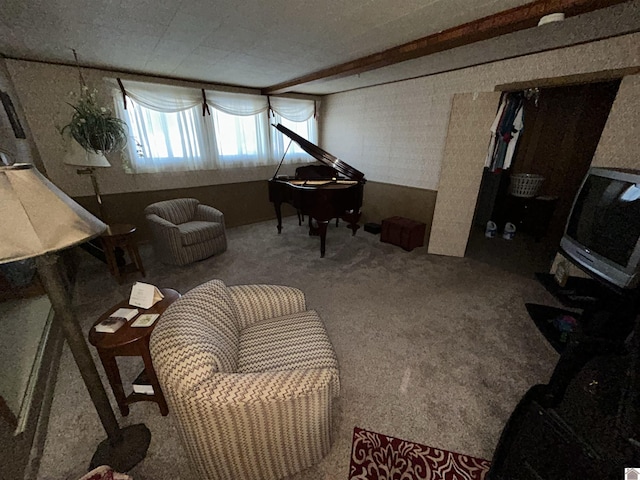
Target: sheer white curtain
242 128
167 129
293 109
241 104
299 116
169 141
160 97
170 133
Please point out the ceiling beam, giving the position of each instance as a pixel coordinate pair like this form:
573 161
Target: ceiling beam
501 23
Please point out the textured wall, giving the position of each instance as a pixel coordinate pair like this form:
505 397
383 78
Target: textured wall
44 92
21 150
620 141
383 200
241 203
396 133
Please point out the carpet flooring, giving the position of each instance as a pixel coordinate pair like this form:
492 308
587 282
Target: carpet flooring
380 457
432 349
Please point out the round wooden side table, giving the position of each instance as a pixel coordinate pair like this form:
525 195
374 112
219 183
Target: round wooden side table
130 341
121 236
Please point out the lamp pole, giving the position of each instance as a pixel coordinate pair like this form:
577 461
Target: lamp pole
91 171
124 448
38 220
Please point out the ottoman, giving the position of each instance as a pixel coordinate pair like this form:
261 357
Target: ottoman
403 232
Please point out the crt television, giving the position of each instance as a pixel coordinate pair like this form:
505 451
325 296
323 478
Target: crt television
602 234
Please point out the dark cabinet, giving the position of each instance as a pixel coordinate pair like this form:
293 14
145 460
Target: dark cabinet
529 215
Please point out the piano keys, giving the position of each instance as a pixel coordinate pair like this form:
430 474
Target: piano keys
323 192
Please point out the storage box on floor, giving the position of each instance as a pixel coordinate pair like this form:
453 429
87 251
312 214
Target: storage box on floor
403 232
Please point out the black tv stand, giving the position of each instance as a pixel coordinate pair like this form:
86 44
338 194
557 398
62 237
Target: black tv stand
583 424
544 316
600 311
578 292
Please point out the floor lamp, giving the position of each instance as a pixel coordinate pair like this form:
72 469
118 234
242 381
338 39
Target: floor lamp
38 219
80 157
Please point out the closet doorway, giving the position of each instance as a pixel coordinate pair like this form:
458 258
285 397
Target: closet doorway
562 128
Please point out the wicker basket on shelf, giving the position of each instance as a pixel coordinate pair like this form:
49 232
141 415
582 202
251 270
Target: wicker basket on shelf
525 184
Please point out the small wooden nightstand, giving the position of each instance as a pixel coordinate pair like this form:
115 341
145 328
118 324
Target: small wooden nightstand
121 236
130 341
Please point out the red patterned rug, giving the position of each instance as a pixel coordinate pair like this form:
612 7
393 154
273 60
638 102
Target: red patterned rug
380 457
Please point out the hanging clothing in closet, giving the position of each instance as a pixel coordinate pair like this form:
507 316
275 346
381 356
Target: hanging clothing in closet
505 131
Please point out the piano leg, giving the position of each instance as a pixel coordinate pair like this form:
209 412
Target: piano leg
322 231
352 218
278 215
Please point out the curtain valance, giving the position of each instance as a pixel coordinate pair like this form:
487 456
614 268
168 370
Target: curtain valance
160 97
241 104
293 109
171 99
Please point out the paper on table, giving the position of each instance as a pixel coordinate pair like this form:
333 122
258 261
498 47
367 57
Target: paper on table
126 313
144 295
145 320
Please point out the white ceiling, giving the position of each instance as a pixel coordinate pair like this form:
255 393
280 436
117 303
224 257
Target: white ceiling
246 42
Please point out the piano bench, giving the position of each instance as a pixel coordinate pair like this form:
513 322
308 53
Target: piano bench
403 232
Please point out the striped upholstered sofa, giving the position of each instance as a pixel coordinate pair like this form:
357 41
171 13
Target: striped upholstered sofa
185 231
250 375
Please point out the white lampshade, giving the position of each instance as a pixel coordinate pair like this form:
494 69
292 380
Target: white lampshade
76 155
37 217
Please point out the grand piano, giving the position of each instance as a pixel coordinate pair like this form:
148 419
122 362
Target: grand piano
323 192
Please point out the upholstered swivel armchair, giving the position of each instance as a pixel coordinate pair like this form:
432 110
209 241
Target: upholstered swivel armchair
250 376
185 231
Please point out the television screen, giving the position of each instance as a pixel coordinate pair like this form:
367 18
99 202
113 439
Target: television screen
606 218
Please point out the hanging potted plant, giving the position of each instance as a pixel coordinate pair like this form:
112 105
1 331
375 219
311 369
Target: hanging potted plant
94 127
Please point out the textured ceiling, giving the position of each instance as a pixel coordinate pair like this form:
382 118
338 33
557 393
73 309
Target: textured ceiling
244 42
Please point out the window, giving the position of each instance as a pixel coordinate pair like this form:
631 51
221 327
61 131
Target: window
241 138
167 141
168 131
306 129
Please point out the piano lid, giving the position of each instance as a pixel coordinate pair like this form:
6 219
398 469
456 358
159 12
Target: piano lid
322 156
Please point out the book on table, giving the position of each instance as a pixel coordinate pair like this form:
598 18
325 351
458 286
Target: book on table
116 320
142 384
110 325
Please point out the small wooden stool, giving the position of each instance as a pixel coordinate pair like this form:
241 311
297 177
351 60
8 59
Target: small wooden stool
121 236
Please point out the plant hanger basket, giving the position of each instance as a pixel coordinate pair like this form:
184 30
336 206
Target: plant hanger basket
93 126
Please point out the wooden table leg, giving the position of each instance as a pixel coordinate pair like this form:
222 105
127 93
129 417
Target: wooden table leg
110 256
132 248
113 374
153 379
